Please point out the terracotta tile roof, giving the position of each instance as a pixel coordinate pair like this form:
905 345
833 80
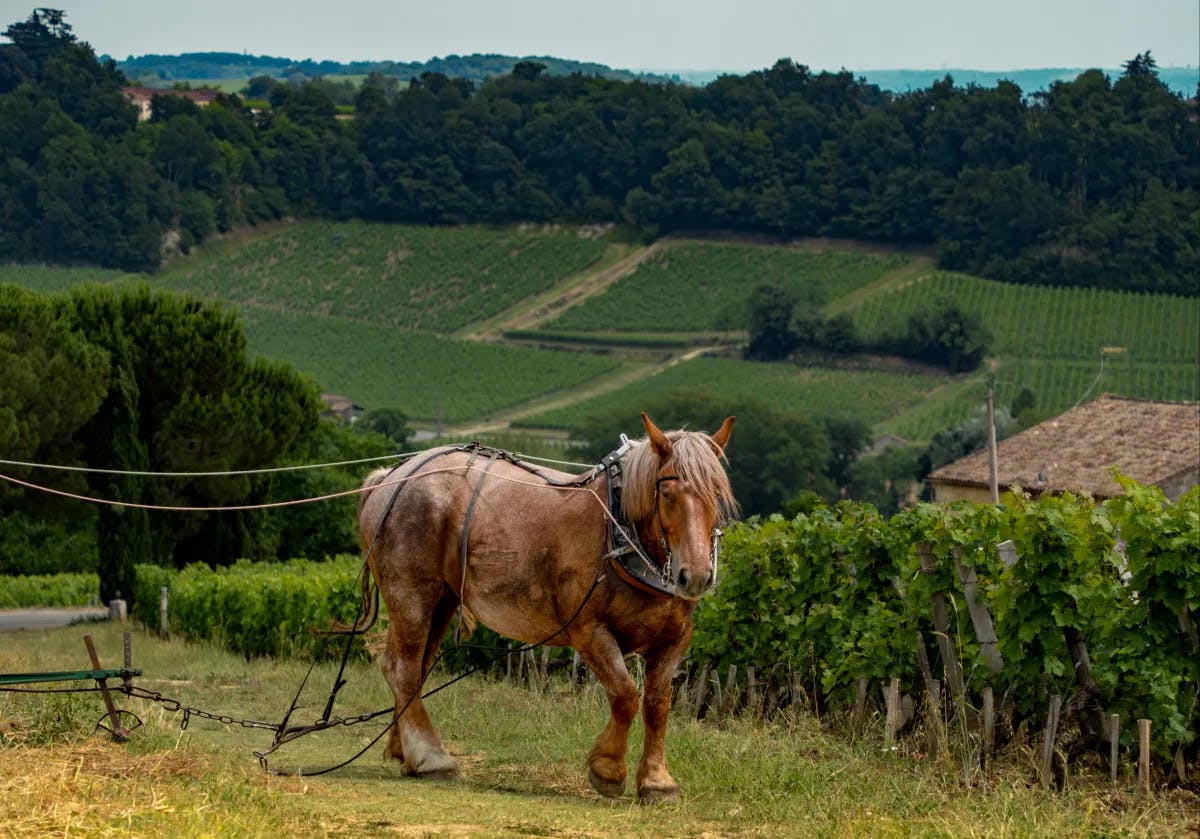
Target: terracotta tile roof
1150 441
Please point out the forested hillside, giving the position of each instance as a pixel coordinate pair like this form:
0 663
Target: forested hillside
1092 183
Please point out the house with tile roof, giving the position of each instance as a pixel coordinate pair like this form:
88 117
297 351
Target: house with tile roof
143 97
1154 442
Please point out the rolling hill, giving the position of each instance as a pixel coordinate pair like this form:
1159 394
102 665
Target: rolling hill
479 329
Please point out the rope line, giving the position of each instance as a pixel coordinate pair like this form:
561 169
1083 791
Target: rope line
146 474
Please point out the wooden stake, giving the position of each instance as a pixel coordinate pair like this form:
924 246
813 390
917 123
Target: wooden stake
893 713
989 725
1144 758
1114 743
860 706
730 684
981 618
1048 741
752 699
163 627
701 688
941 622
936 720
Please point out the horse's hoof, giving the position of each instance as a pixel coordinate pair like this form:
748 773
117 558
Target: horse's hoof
664 795
607 788
437 775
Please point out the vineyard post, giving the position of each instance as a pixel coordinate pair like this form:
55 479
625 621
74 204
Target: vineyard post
923 661
727 701
989 725
941 623
1114 728
701 687
752 699
937 727
1144 758
1048 739
981 619
893 713
163 627
860 706
576 682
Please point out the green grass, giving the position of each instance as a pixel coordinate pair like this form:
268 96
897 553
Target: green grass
405 277
427 376
522 765
695 287
821 391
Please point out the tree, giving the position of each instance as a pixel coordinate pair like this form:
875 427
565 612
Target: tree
944 334
41 36
771 336
184 398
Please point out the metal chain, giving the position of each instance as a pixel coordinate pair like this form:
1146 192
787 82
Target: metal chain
174 705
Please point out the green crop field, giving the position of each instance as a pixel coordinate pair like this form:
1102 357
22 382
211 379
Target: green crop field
429 377
50 279
1062 323
871 396
693 287
435 279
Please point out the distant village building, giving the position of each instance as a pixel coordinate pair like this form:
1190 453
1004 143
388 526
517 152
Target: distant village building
1155 443
341 408
142 96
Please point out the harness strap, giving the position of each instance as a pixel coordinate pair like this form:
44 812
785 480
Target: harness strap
462 586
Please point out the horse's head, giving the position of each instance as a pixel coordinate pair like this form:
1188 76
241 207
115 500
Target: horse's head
678 491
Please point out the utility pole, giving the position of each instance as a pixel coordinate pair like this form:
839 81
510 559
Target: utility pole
994 467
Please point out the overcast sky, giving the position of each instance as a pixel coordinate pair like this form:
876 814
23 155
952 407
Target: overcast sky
734 35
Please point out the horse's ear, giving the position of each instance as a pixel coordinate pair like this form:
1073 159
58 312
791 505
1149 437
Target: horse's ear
721 435
661 445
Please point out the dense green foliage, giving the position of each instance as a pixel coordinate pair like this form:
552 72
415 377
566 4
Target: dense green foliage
123 380
837 595
1093 182
40 590
255 609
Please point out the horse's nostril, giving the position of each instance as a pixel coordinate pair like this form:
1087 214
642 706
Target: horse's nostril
683 577
709 581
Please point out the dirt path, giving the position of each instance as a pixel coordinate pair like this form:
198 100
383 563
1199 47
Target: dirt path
603 384
910 272
531 313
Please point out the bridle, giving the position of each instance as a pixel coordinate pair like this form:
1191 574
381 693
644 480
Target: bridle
628 554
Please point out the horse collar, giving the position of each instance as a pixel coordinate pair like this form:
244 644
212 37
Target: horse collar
628 554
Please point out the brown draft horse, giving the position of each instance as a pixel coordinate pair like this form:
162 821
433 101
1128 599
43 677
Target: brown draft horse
537 571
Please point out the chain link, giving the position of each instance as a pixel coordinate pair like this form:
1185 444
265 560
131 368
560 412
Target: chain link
174 706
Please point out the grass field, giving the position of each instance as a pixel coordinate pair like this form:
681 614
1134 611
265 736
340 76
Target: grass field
521 756
430 377
406 277
697 287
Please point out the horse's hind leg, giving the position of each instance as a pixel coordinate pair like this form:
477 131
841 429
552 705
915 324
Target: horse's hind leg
410 636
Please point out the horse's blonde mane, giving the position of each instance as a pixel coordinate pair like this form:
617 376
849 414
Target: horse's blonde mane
695 458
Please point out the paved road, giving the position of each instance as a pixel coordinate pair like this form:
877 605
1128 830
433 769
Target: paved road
14 620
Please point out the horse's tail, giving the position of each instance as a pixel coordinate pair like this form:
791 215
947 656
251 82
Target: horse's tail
368 609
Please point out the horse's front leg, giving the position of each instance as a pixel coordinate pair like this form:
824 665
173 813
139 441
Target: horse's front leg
654 782
606 762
